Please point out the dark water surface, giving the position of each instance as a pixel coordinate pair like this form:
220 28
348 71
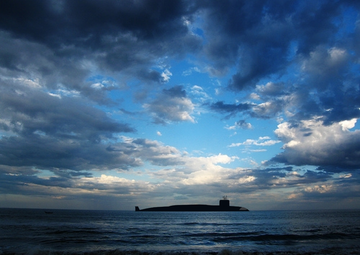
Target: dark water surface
32 231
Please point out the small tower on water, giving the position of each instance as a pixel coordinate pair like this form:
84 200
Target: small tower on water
224 202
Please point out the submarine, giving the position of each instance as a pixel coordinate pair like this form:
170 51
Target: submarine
224 206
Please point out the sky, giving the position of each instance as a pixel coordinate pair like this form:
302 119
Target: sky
116 104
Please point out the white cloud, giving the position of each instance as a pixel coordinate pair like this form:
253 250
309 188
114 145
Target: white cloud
267 109
199 170
320 189
108 179
206 170
62 91
254 96
31 83
54 95
158 133
246 179
345 176
171 108
322 60
270 88
258 150
312 143
264 137
199 93
239 124
191 70
259 142
97 85
348 124
166 74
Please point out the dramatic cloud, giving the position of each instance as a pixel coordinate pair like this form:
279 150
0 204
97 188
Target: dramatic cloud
238 31
312 143
27 111
62 46
134 100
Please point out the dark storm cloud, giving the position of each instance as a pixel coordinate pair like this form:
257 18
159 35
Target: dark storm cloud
344 188
330 86
230 109
58 22
262 111
332 159
28 111
345 109
259 35
272 178
69 157
25 170
59 42
21 58
18 180
18 184
66 135
272 39
52 133
63 188
55 40
45 152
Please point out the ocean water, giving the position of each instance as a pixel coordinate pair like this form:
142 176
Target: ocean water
32 231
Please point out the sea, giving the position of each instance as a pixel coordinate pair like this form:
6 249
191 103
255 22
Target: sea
37 231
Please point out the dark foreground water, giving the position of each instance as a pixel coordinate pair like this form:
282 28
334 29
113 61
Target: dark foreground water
32 231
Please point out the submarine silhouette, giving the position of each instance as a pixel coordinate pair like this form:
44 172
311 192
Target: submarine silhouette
224 206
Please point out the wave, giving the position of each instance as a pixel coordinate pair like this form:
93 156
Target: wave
337 251
215 224
263 236
181 233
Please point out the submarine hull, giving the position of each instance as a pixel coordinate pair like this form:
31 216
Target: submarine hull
194 208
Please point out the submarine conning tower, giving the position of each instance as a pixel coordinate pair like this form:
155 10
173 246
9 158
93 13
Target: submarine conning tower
224 203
